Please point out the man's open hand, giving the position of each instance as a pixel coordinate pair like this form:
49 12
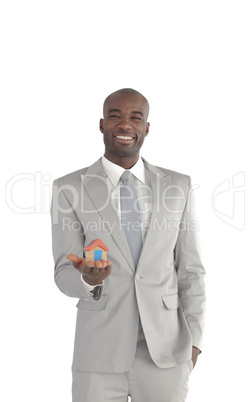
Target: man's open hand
93 272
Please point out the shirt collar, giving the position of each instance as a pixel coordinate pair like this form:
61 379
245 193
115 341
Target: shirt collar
114 171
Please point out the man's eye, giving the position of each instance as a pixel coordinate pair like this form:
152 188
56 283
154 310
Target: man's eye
114 116
136 118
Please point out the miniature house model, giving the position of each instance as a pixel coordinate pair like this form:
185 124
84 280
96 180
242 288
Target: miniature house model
96 250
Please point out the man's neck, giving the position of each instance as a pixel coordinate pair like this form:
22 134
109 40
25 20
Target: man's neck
126 163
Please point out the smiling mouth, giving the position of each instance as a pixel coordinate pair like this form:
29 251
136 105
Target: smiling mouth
125 137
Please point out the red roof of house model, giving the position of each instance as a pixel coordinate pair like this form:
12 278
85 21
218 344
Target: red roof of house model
96 243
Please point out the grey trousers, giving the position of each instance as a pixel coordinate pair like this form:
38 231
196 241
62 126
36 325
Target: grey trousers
144 382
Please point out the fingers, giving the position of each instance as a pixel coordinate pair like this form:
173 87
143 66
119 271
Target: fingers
73 258
91 264
108 267
94 272
77 262
100 264
98 269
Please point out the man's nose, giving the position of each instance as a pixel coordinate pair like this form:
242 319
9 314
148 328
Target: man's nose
124 123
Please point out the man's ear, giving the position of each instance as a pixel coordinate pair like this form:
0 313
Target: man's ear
147 129
101 125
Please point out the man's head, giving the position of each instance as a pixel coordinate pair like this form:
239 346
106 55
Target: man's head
124 126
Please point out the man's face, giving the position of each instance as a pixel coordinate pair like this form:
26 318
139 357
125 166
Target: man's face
124 125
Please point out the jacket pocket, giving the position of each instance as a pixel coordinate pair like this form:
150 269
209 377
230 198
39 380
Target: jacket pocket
172 302
86 304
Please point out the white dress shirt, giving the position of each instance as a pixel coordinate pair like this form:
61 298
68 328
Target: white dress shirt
141 183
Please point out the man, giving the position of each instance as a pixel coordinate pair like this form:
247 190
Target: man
141 313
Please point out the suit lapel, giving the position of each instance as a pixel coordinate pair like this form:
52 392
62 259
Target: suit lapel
96 185
158 183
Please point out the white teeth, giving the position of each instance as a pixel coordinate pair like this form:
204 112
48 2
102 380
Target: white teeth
122 137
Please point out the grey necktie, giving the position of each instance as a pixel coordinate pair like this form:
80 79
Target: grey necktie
130 216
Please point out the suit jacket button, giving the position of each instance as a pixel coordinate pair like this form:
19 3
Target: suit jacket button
137 277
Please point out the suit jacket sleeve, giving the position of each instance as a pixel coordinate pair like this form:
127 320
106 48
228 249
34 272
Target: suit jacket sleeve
68 238
190 271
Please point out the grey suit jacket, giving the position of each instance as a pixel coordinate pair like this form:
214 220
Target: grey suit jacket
167 289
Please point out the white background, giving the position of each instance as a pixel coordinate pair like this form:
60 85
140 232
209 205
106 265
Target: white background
59 60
